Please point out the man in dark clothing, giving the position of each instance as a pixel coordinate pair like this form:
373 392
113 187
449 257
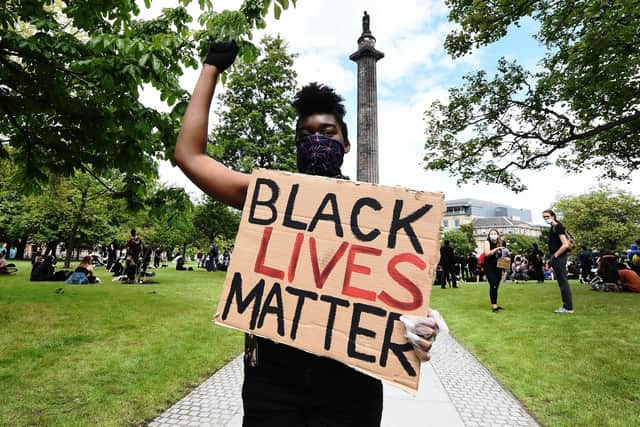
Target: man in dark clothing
537 263
558 249
472 265
111 254
448 262
586 263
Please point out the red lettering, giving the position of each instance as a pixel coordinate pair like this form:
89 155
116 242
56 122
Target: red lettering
295 254
352 267
262 254
321 277
403 281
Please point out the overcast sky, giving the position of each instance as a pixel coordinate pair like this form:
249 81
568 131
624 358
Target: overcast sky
415 71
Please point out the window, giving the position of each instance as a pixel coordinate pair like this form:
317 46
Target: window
445 223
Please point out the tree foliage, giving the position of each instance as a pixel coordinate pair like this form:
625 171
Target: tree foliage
215 222
257 121
580 110
71 75
602 218
520 244
459 241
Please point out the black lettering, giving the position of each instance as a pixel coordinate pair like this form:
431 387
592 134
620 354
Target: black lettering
334 216
398 349
397 223
301 294
277 309
254 294
288 221
275 192
356 330
332 316
355 212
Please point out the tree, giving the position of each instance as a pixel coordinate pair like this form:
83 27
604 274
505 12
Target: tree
170 219
602 218
70 78
459 242
519 244
257 121
581 110
216 221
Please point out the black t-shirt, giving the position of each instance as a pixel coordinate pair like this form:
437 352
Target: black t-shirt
491 261
554 237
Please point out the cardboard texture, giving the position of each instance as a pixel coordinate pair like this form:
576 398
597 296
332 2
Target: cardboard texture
328 266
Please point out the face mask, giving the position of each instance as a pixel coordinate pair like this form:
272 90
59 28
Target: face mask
319 155
493 236
548 220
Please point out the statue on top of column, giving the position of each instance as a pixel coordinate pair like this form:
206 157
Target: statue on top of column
366 22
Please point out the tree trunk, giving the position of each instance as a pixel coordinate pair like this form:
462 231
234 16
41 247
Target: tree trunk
76 226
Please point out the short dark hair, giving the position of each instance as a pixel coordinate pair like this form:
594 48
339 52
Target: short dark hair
446 243
318 98
133 231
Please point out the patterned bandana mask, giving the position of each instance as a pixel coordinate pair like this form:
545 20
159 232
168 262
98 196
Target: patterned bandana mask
319 155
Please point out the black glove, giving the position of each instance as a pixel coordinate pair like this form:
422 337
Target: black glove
222 54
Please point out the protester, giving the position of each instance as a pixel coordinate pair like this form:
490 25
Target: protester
284 385
6 268
156 258
586 263
492 250
448 262
44 271
111 254
505 253
629 280
83 274
134 246
200 258
559 248
135 249
472 266
537 263
634 256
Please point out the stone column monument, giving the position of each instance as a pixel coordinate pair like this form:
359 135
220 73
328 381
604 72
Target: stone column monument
366 57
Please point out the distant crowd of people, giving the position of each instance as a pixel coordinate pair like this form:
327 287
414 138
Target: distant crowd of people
603 269
130 262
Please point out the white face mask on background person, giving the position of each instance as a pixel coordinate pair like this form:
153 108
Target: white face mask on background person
493 237
548 220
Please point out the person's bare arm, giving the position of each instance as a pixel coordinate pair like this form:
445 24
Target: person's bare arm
209 175
565 246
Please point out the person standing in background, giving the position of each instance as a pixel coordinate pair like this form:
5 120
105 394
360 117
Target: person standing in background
558 249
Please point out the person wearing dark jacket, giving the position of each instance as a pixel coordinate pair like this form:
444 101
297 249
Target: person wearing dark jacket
559 248
448 262
43 272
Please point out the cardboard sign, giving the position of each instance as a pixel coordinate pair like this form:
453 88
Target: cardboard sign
328 266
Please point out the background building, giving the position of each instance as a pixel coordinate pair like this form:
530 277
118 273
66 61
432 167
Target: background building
485 215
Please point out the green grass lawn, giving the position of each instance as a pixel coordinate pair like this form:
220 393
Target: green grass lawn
107 354
114 354
579 369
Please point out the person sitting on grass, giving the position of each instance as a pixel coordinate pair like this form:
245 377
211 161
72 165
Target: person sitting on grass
6 268
179 261
86 267
628 280
43 272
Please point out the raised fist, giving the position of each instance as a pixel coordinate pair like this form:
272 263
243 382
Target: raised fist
222 54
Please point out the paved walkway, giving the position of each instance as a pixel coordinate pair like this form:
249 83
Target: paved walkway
455 390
